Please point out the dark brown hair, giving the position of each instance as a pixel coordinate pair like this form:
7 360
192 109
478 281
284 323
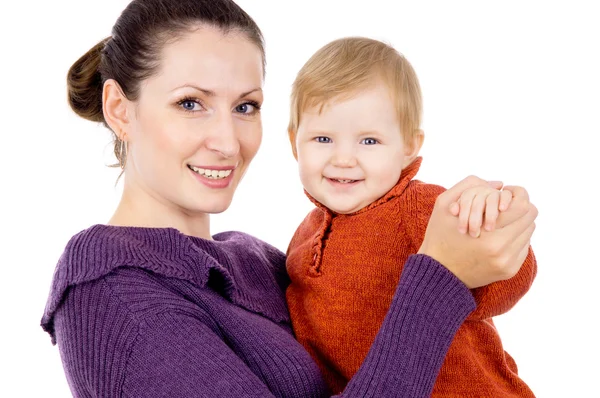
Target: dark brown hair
132 53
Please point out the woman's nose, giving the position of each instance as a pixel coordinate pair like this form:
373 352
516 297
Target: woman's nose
222 137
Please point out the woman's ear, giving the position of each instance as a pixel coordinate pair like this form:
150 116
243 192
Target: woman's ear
114 106
413 147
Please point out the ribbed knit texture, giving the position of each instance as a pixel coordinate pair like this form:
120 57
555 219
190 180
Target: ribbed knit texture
148 312
344 270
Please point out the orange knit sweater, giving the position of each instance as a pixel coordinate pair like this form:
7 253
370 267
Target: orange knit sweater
344 271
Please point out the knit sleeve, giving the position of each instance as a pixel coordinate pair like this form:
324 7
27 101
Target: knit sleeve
499 297
429 306
109 351
178 356
94 333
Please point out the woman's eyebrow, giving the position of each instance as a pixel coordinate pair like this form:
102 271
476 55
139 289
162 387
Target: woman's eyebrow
211 93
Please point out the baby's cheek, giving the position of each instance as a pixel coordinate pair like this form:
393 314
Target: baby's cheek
307 178
388 178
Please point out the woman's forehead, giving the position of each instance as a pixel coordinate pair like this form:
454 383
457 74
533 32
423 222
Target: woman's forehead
213 60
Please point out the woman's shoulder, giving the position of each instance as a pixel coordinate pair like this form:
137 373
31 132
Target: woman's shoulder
127 295
248 271
101 305
100 250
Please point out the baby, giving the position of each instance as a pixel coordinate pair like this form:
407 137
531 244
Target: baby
355 131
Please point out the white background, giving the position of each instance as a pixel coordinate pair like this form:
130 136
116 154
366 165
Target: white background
511 91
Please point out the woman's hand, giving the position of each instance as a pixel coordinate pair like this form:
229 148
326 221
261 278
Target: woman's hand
494 255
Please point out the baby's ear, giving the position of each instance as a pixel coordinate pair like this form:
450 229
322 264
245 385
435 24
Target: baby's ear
413 147
292 137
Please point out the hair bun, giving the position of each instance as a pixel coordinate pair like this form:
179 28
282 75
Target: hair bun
84 84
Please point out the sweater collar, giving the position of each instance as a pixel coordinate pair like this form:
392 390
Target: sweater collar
408 173
247 268
318 242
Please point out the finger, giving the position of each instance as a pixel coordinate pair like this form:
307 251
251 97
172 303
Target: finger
517 209
505 199
476 213
521 249
517 192
523 241
522 256
465 209
491 210
513 230
454 209
495 184
453 194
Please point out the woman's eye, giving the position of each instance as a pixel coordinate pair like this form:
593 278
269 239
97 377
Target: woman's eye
369 141
242 108
247 108
190 105
323 140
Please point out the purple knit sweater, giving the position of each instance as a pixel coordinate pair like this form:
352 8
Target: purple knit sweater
148 312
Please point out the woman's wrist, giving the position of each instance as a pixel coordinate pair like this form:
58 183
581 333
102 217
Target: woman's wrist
437 271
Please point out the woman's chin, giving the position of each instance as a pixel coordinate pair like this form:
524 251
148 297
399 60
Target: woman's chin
211 207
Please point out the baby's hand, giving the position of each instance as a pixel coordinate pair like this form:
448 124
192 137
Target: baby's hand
480 206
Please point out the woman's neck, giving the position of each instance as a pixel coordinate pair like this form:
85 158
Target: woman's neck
138 208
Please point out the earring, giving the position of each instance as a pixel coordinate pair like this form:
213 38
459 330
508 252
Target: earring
122 153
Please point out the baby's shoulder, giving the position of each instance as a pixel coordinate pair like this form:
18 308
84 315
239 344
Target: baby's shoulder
422 195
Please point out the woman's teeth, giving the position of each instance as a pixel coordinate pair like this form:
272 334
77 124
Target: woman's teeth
216 174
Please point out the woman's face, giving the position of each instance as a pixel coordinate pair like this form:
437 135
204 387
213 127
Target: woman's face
197 123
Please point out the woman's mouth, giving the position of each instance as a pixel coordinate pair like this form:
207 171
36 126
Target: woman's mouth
211 173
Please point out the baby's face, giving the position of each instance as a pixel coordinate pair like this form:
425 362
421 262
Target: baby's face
353 152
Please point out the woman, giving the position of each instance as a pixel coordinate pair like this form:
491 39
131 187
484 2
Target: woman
152 305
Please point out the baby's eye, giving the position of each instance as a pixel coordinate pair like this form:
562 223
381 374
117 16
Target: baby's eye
369 141
323 140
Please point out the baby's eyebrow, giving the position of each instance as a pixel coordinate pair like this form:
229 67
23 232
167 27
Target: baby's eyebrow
369 132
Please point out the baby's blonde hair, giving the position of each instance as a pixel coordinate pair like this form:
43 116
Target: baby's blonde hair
345 66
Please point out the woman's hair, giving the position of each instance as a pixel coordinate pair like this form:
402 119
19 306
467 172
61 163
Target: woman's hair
132 53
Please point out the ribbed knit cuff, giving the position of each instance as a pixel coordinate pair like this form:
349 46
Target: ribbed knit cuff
429 306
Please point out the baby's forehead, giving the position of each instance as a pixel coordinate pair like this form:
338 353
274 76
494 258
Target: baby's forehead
349 121
376 94
370 105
